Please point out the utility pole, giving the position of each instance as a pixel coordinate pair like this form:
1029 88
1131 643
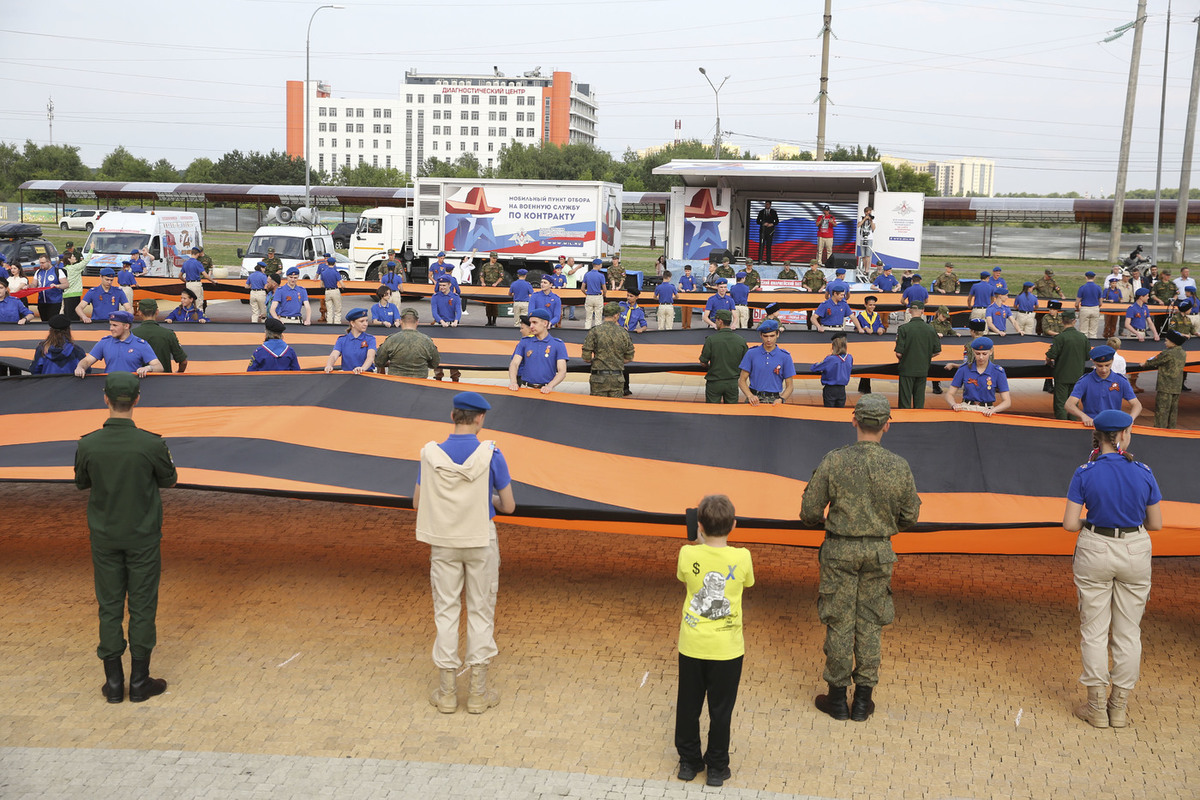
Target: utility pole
823 96
1114 240
1185 172
1162 118
50 118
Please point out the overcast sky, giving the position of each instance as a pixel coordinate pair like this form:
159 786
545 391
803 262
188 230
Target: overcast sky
1027 83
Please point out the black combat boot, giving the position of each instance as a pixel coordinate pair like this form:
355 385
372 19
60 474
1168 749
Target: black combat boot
833 704
863 706
141 685
937 387
114 686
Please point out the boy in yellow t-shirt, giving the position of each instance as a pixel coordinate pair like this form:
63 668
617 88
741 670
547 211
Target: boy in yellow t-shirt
710 639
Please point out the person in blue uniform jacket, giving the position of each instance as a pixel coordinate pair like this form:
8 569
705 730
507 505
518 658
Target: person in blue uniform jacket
980 296
104 299
274 354
885 281
1111 565
632 317
520 289
1087 303
11 308
915 293
1100 389
137 264
983 382
391 278
384 311
127 280
1137 316
121 351
998 282
58 354
835 372
187 310
445 306
439 268
539 360
767 371
545 298
998 313
838 284
355 347
832 313
290 300
721 301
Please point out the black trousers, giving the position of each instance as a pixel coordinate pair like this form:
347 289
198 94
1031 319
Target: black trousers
765 240
48 310
69 304
834 396
719 681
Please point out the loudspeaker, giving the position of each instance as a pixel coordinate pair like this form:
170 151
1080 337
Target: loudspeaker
716 256
631 282
846 261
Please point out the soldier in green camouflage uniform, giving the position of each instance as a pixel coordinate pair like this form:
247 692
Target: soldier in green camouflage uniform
1164 290
753 279
491 274
947 282
941 323
272 262
408 352
1047 287
616 274
871 496
787 273
1052 323
814 279
1170 363
608 348
726 270
205 260
1182 323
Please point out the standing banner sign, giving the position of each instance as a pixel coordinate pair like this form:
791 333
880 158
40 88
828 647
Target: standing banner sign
898 220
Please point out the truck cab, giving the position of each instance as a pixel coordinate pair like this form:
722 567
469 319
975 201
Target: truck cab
381 229
302 246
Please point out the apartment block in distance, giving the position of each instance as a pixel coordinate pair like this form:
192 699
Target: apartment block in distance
961 177
440 116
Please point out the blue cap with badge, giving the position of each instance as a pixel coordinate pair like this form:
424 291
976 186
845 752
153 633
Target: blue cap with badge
471 401
982 343
1102 354
108 272
1112 419
357 313
769 326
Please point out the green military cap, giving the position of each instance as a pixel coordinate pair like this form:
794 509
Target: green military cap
916 304
725 315
148 306
943 310
873 409
122 386
1050 272
610 309
409 311
1068 315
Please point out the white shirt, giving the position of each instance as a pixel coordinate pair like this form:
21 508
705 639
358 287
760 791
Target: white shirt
462 273
1180 284
1118 364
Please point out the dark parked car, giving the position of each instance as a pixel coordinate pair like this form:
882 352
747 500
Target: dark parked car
342 234
24 244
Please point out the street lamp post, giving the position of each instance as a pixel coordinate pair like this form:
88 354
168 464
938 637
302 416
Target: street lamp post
717 97
308 104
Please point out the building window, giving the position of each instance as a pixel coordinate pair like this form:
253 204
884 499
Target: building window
491 131
321 111
437 98
462 145
474 130
503 116
520 99
374 144
491 147
388 163
421 98
333 111
333 127
517 133
321 127
359 128
374 161
492 100
529 132
376 128
491 116
360 144
489 160
464 100
474 99
321 161
475 146
387 128
321 142
475 115
408 98
504 131
437 129
464 115
358 112
362 160
520 115
463 130
447 145
388 144
347 159
503 100
387 113
435 145
377 113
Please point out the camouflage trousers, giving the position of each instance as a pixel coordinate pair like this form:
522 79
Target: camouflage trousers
1166 409
854 603
607 383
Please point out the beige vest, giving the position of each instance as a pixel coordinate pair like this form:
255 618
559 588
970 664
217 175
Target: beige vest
454 498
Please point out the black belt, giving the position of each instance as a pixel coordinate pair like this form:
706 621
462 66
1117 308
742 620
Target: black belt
977 403
608 372
766 395
530 385
294 319
1115 533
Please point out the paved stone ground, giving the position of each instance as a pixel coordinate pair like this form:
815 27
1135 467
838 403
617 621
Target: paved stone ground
296 637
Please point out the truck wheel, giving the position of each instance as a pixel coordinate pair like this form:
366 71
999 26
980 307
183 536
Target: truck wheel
373 272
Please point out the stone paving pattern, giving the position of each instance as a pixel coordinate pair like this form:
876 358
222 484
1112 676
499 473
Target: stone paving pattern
296 639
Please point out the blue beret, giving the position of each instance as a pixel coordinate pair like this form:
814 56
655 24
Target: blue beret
127 263
1111 419
1190 289
983 275
839 271
768 326
522 271
1089 274
541 313
444 279
1143 292
107 272
1102 353
471 401
262 264
887 268
293 271
357 313
740 275
331 260
995 269
917 277
982 343
597 262
121 316
1027 285
442 254
327 255
2 258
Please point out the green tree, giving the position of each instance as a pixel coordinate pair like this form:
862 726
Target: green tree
199 171
268 168
366 175
550 162
122 165
164 171
467 166
53 162
906 179
11 163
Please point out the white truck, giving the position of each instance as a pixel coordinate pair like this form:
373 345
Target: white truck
296 245
528 223
167 236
